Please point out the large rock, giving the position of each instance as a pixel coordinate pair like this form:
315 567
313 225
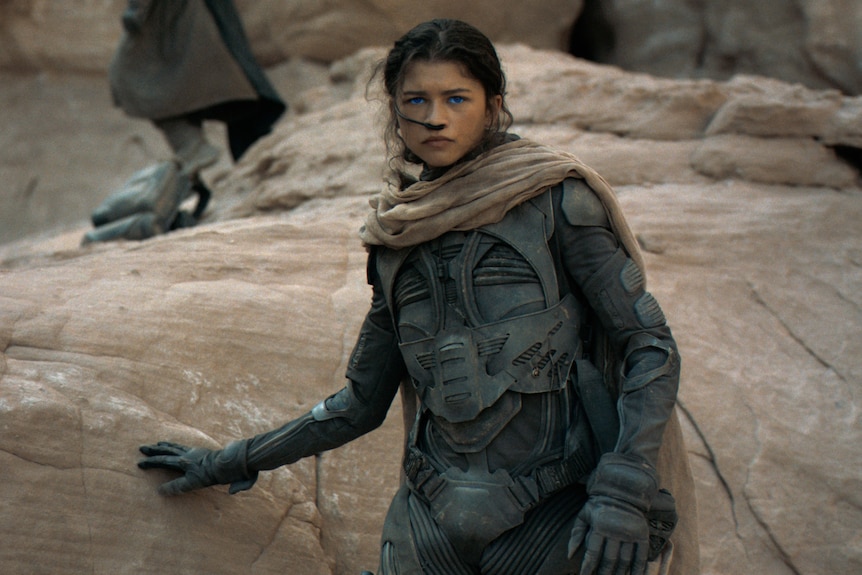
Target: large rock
196 342
814 42
233 327
762 286
81 36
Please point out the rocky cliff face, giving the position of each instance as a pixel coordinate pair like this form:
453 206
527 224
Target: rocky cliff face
739 191
81 35
813 42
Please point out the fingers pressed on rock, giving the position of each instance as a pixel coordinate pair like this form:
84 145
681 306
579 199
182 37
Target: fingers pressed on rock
176 487
172 462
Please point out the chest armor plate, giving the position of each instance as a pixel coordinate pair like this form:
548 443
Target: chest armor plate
479 313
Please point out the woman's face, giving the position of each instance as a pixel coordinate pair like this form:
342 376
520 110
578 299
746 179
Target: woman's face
441 93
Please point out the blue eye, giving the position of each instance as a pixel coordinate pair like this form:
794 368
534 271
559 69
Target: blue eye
416 101
456 99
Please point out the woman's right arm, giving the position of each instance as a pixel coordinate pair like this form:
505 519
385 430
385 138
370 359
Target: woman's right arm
374 374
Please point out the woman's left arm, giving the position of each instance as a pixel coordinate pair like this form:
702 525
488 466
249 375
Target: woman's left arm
615 289
612 526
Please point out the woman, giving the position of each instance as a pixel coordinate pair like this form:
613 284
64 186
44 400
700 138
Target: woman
501 278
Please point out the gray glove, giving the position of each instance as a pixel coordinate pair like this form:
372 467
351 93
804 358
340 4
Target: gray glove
200 467
612 524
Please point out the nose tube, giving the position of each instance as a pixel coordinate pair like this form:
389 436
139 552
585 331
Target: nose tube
433 127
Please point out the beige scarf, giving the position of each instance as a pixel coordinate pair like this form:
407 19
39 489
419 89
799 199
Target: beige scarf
480 192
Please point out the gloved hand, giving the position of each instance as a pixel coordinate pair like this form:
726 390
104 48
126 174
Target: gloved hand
612 524
200 467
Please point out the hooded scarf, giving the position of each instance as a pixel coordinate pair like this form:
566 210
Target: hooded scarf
480 192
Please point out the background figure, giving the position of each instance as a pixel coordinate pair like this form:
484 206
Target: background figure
181 62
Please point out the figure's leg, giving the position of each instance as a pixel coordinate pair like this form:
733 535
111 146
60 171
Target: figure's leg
540 544
186 139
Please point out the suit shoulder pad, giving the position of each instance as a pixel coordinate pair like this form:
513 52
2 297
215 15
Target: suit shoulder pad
581 206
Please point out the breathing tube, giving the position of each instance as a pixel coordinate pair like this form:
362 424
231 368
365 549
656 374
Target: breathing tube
433 127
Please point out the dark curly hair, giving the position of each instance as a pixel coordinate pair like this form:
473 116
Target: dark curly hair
442 40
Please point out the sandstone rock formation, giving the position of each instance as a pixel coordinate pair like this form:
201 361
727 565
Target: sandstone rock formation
814 42
740 194
78 35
